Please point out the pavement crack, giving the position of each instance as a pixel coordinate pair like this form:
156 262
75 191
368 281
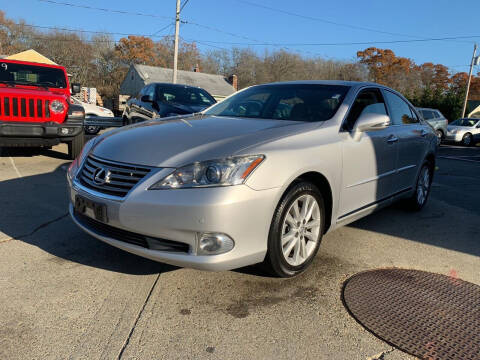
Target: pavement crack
381 356
139 315
39 227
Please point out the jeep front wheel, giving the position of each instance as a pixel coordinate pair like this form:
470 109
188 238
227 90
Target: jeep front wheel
75 146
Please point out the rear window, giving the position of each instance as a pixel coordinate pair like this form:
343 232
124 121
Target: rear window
22 74
427 114
294 102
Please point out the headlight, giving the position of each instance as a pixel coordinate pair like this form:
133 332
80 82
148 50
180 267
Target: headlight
57 106
223 172
77 163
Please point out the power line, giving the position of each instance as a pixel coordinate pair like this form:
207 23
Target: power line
184 3
256 43
124 12
321 20
91 31
162 29
308 17
347 43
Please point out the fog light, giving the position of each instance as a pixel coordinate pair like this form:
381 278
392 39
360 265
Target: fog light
214 244
64 131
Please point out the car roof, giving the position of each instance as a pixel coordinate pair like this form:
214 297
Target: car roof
176 85
431 109
326 82
11 61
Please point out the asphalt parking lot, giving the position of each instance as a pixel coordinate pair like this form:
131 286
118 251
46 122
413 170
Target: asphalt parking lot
66 295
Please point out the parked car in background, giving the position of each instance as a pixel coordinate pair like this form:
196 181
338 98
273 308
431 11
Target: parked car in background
163 100
465 131
258 177
35 108
92 110
436 119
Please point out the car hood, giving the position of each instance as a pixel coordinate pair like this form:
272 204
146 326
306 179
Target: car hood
189 109
458 128
181 140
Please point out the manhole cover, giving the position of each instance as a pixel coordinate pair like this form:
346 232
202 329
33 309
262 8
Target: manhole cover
430 316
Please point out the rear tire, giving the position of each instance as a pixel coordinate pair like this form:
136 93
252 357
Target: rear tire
422 188
440 136
296 231
75 146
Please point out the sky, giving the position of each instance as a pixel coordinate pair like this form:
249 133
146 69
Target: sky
288 24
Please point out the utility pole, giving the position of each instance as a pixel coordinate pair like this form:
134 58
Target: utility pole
175 51
474 60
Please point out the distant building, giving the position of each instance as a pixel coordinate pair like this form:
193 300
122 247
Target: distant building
140 75
31 56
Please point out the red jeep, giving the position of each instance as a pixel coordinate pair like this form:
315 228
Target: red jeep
35 107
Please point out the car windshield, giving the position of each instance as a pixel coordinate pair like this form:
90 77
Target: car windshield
184 95
300 102
23 74
465 122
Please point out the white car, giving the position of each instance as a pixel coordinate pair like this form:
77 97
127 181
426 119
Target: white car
92 110
465 131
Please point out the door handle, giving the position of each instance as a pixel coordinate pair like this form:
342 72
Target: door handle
423 133
392 139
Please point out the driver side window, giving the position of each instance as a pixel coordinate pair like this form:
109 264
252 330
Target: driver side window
367 101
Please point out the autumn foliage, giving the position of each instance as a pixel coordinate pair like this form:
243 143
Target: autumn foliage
100 61
426 85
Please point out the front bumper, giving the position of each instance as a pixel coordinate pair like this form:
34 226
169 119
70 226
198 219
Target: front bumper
13 133
180 215
457 137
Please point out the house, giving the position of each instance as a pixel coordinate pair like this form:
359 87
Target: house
31 56
140 75
475 105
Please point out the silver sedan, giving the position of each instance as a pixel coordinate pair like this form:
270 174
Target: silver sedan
258 177
465 131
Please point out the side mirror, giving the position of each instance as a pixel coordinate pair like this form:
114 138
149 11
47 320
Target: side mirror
146 98
371 122
76 88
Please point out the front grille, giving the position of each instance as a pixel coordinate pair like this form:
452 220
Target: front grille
119 178
24 108
130 237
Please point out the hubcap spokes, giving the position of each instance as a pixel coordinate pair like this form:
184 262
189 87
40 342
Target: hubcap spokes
300 230
423 186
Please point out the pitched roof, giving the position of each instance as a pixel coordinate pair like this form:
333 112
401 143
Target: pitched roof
32 56
216 85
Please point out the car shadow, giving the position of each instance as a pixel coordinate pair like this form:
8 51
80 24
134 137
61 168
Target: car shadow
434 225
30 152
34 210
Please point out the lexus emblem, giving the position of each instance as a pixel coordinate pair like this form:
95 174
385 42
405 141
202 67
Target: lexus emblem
101 176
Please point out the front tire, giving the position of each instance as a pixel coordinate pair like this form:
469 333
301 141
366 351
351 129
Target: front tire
467 139
75 146
296 231
92 130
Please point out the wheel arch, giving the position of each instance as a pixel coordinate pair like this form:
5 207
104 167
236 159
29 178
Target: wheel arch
322 183
431 159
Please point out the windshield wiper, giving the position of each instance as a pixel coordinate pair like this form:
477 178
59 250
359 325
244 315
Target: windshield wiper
8 82
12 83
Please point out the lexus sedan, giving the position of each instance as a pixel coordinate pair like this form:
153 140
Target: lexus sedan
257 178
464 131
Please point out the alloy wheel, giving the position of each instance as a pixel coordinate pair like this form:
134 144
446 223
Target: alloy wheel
300 230
423 185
